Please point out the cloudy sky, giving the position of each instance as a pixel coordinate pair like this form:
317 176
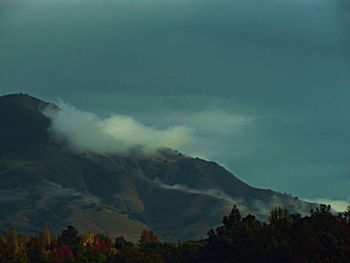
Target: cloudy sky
260 86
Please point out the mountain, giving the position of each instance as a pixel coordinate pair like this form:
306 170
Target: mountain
177 196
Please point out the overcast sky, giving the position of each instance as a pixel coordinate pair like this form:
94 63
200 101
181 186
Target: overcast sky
263 85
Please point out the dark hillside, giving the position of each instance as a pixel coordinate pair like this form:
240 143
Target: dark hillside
177 196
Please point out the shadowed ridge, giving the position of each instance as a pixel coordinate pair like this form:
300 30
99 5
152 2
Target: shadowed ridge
25 101
22 121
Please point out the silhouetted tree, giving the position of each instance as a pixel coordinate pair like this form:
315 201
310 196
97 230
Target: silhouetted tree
70 238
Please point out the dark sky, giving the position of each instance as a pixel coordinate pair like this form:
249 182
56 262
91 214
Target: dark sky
264 84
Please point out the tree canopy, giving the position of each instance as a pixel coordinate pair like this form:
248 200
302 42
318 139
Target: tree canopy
321 236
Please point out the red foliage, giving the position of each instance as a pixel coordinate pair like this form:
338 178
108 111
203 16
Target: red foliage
62 254
148 236
102 244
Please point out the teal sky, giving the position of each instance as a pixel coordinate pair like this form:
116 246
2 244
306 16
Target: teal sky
265 85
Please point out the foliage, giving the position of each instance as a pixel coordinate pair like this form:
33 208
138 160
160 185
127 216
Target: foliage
287 237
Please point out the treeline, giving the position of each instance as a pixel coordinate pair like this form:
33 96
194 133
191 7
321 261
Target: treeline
287 237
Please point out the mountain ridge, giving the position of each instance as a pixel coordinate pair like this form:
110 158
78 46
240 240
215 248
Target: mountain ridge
177 196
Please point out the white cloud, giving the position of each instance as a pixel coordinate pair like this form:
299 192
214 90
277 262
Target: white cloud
214 131
196 133
87 132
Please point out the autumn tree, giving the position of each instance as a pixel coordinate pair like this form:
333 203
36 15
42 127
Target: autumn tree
147 236
69 237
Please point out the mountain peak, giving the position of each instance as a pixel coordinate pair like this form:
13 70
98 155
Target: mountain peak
22 121
24 101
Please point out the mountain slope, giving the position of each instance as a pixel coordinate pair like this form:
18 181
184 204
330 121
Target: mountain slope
177 196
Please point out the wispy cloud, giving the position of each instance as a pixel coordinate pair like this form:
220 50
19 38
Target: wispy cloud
215 193
193 133
87 132
337 205
218 122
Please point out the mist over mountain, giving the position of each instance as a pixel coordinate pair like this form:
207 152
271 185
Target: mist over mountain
53 175
86 132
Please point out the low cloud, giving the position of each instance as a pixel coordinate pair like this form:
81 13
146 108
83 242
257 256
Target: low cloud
86 132
196 133
214 131
217 122
215 193
337 205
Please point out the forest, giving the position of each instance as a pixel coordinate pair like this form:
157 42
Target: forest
321 236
